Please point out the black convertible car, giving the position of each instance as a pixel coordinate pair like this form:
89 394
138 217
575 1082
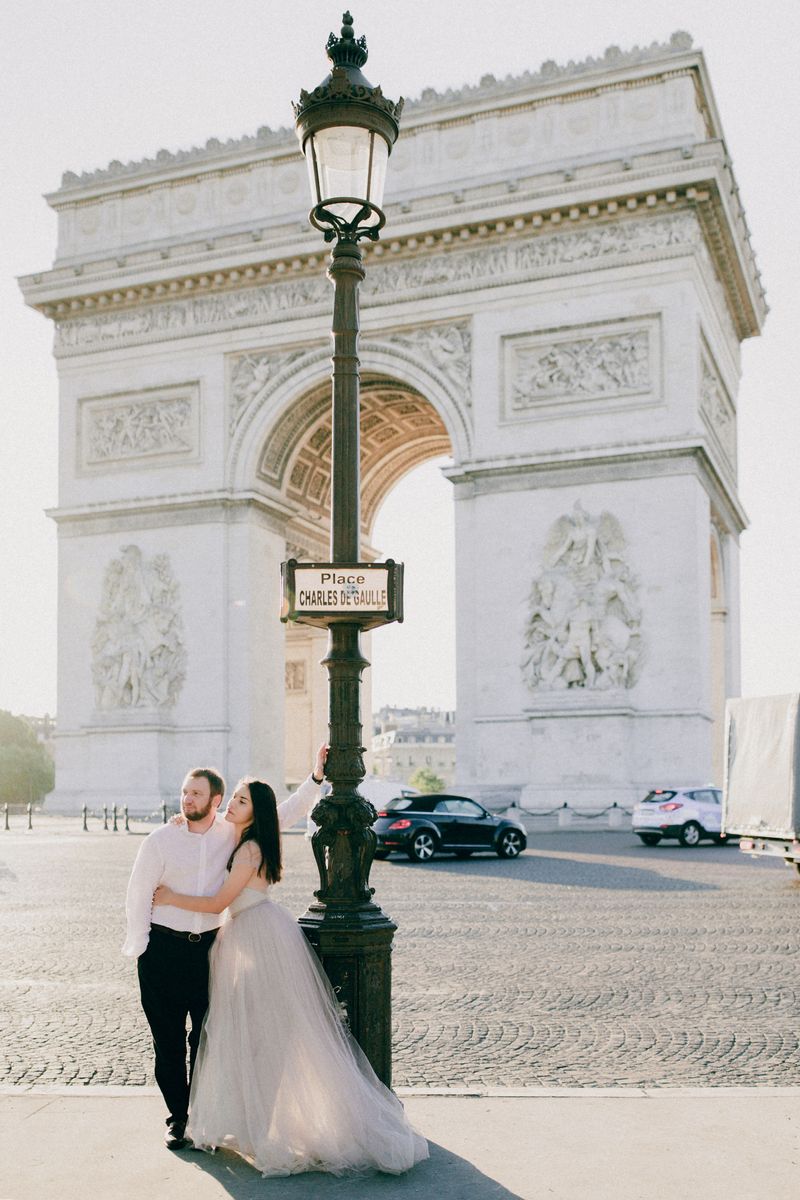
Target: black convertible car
421 826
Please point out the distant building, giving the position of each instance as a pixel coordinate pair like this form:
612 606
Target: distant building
45 729
406 739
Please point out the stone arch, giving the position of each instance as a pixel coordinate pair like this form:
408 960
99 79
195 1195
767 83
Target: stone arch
276 396
399 430
283 452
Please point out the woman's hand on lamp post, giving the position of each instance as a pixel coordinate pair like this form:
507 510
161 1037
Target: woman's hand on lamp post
318 774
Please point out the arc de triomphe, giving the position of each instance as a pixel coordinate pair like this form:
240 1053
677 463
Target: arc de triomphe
558 305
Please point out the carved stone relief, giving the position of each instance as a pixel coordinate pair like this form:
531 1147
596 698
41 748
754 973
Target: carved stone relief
295 675
138 652
252 374
583 627
514 261
159 425
717 411
448 348
613 361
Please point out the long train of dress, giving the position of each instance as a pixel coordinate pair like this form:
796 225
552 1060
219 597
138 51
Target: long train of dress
278 1076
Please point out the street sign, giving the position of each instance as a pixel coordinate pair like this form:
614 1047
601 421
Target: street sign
367 594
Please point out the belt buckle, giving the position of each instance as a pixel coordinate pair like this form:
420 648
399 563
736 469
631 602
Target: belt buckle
195 937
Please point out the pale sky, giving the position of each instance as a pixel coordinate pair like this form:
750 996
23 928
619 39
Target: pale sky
88 81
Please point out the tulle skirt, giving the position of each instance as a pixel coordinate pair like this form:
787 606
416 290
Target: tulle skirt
279 1078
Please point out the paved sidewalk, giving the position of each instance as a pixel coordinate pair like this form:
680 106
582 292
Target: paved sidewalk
567 1144
589 961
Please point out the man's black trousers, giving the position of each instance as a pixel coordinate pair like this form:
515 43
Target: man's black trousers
173 981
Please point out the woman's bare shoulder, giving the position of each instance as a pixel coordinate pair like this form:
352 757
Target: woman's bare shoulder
248 853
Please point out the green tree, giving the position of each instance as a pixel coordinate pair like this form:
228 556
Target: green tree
426 781
26 769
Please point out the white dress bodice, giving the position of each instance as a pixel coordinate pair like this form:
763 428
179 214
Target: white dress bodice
247 897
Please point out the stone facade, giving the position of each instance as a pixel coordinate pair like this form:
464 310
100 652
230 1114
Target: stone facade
558 303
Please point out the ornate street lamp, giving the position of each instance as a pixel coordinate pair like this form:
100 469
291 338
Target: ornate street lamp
347 128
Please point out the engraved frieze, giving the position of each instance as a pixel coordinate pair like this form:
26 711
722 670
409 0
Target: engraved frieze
160 425
549 369
295 675
583 628
138 653
516 260
717 411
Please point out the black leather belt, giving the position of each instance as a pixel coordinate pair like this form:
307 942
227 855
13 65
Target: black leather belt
184 934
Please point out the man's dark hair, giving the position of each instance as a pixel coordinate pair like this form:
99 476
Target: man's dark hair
215 781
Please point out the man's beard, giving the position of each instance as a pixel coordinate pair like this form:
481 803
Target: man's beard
199 814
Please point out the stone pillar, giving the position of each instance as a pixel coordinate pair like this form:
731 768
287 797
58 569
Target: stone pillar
171 655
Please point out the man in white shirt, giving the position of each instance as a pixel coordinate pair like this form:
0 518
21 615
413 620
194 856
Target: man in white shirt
172 955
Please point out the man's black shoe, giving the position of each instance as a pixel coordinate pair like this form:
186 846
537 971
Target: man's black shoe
175 1135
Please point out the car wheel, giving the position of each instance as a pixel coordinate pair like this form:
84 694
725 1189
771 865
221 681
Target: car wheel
462 853
423 847
690 834
650 839
510 843
382 853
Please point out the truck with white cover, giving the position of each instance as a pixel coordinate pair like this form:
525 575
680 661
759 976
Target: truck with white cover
761 796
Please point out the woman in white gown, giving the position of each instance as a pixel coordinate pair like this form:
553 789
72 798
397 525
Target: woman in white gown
279 1078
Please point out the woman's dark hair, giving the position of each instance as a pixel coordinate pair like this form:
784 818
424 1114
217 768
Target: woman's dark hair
264 830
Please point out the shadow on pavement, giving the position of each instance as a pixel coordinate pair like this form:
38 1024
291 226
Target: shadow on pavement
444 1175
578 871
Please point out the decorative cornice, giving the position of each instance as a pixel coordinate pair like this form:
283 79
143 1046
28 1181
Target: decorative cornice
488 88
471 256
550 72
745 296
448 221
672 456
264 138
175 509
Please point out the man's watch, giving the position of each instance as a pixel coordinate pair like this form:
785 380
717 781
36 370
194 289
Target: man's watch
317 781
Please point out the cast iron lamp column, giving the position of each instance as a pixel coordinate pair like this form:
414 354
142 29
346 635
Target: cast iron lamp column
347 128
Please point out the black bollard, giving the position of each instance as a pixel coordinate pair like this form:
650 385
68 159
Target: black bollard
114 819
163 814
125 813
30 816
84 814
105 816
5 811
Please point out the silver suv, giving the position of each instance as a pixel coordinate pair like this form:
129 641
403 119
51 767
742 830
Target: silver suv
688 814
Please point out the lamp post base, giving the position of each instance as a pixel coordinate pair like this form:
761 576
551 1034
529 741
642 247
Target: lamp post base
354 946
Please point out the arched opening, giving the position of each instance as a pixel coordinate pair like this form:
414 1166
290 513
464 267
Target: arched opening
413 664
403 437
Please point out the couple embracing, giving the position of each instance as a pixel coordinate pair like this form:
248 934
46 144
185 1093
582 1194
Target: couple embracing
274 1073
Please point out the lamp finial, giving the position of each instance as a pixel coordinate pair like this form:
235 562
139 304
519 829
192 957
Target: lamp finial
346 50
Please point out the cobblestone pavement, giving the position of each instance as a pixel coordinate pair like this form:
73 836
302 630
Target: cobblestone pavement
589 961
